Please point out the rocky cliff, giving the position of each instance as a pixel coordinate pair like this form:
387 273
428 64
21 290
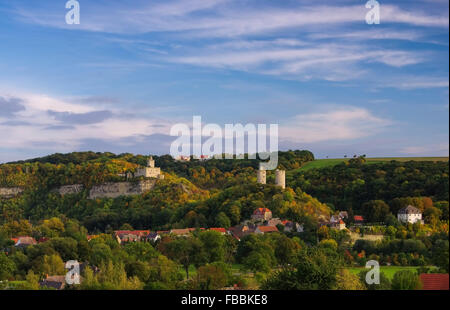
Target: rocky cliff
10 192
113 190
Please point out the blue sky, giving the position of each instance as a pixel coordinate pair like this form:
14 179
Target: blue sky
131 69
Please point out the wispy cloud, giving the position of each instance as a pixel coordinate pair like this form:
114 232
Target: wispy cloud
221 18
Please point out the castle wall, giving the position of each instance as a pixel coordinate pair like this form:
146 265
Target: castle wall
116 189
10 192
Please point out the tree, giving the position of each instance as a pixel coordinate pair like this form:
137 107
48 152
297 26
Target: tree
440 254
213 244
385 283
406 280
222 220
432 215
185 251
53 265
375 210
329 244
313 269
32 281
345 280
7 266
101 253
210 277
443 206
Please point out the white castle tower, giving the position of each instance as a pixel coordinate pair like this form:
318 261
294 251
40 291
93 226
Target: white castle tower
280 178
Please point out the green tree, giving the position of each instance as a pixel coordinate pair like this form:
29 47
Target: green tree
385 283
222 220
345 280
440 254
7 266
313 269
406 280
375 210
213 244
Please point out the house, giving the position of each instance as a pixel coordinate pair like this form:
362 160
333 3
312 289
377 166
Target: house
24 241
153 237
334 219
56 282
339 225
223 231
343 214
273 222
90 237
290 226
241 231
130 235
409 214
434 281
183 158
262 214
265 229
358 219
183 232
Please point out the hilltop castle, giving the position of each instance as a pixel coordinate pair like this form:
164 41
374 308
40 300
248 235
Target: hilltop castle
150 171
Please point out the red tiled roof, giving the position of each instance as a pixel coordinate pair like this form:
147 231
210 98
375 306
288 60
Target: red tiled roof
261 211
267 228
219 229
358 218
434 281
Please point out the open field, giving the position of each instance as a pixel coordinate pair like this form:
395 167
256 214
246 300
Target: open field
389 271
322 163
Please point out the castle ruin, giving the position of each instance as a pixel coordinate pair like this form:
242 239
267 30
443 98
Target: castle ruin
150 171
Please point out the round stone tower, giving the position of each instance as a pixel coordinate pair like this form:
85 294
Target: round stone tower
261 176
280 178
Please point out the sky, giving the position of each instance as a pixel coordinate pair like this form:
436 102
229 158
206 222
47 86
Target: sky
120 79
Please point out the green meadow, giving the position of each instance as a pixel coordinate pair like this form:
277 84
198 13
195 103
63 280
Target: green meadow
389 271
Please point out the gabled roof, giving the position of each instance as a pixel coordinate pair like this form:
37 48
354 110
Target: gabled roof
409 210
140 233
266 229
261 211
182 231
25 240
57 282
434 281
358 218
219 229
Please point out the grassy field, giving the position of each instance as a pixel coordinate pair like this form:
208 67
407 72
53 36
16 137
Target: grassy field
321 163
389 271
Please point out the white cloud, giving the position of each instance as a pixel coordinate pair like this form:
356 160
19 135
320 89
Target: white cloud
337 123
38 125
